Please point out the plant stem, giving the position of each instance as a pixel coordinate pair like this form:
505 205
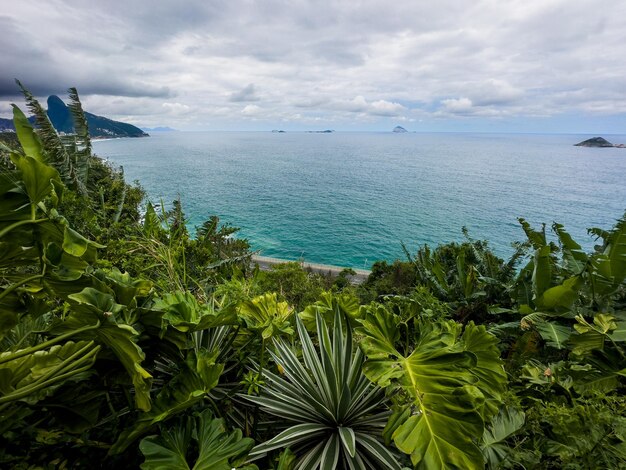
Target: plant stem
12 287
46 344
15 225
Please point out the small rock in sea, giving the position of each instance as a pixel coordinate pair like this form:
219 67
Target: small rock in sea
595 142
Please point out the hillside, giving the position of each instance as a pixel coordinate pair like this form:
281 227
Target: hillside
99 126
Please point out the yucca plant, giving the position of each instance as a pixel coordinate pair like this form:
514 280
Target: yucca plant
334 415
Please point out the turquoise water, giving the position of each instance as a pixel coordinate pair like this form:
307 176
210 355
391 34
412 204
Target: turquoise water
348 199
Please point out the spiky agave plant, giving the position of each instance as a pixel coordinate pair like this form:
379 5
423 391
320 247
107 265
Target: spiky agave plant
333 413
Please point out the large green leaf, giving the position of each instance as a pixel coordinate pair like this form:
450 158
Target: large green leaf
91 306
217 449
554 334
506 423
440 381
36 176
609 267
328 304
32 376
265 314
542 271
183 312
27 136
489 369
573 255
560 297
167 451
199 374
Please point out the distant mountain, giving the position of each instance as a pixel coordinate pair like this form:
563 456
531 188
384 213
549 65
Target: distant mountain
6 125
99 126
159 129
399 130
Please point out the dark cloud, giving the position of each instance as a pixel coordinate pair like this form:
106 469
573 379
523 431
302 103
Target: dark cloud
325 60
248 93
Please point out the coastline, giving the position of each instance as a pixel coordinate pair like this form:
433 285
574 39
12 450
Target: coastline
265 263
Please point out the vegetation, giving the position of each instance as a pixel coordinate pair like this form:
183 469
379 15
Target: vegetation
125 342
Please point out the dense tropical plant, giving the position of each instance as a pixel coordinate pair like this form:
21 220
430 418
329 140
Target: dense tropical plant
116 323
213 448
333 414
446 382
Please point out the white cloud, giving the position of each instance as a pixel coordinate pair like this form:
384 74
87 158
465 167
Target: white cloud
337 62
457 105
377 108
251 110
386 108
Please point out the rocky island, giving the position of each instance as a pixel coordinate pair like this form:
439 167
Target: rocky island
399 130
598 142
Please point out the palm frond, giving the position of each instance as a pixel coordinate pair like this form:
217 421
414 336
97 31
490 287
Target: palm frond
82 139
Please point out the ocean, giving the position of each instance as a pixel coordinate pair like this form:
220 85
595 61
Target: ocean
350 198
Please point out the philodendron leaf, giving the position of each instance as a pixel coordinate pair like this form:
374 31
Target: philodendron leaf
184 313
264 313
34 376
218 450
198 376
347 304
91 306
440 382
489 369
506 423
167 451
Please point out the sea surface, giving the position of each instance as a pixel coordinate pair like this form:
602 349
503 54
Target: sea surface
349 198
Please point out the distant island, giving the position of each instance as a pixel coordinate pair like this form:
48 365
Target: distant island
399 130
598 142
61 118
278 131
327 131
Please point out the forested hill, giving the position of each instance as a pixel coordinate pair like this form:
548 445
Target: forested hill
99 126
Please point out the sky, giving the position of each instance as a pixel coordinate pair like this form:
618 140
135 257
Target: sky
446 65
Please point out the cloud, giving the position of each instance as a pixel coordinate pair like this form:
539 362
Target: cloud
386 108
353 65
251 110
248 93
457 105
376 108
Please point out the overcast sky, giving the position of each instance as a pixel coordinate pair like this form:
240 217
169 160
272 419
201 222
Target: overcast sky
457 65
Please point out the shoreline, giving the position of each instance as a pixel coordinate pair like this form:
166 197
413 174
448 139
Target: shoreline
266 262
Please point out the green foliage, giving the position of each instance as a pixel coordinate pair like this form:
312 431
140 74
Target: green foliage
216 449
334 415
327 305
265 314
505 424
116 323
294 284
445 385
590 434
